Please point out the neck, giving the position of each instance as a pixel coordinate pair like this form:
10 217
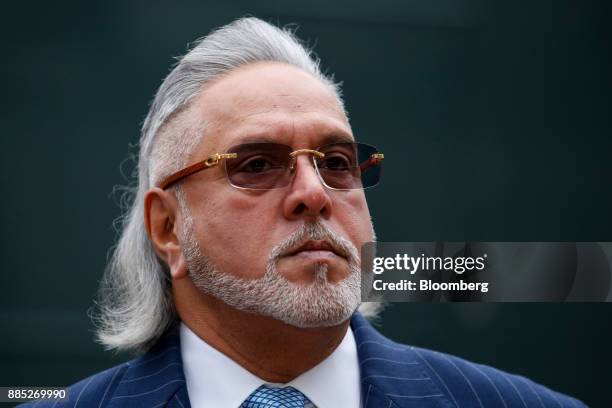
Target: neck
270 349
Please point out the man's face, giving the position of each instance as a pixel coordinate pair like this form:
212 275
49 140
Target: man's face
238 229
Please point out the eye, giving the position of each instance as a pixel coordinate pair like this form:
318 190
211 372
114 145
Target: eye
256 165
336 162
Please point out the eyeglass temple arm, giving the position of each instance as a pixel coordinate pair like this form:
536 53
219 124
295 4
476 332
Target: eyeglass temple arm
375 158
211 161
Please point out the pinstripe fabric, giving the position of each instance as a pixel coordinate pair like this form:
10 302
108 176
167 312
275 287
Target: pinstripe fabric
395 375
153 380
392 375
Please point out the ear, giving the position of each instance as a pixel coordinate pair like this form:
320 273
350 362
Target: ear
161 212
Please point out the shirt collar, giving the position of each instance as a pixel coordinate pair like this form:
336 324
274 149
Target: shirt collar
334 382
215 380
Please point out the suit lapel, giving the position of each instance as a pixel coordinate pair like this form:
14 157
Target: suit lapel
180 399
156 379
391 375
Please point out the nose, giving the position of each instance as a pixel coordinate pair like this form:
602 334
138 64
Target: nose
307 196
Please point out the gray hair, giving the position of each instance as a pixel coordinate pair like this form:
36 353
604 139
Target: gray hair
135 305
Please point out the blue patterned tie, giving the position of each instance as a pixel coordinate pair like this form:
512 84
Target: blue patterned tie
268 397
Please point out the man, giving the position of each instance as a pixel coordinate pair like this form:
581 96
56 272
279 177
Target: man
237 273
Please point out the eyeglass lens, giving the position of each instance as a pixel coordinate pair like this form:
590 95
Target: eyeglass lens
266 166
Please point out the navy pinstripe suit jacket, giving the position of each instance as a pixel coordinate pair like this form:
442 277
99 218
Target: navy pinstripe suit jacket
392 375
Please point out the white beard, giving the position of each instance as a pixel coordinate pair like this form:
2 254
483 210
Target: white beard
318 304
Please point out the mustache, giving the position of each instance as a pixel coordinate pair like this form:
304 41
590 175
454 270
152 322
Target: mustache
316 230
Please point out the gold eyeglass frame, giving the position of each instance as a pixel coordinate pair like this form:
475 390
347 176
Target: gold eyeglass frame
215 158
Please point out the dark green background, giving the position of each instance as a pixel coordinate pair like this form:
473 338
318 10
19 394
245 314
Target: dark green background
494 116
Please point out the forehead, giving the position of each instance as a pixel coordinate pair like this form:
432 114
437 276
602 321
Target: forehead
270 101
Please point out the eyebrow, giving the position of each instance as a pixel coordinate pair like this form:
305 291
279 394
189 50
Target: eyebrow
336 138
332 137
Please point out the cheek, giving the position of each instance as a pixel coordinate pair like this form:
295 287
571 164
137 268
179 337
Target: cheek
354 217
234 232
252 215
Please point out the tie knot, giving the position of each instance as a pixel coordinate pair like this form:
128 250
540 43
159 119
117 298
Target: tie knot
269 397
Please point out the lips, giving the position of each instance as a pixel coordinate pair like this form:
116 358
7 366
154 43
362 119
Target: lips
321 245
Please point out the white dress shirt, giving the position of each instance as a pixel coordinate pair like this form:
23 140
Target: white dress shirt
215 380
